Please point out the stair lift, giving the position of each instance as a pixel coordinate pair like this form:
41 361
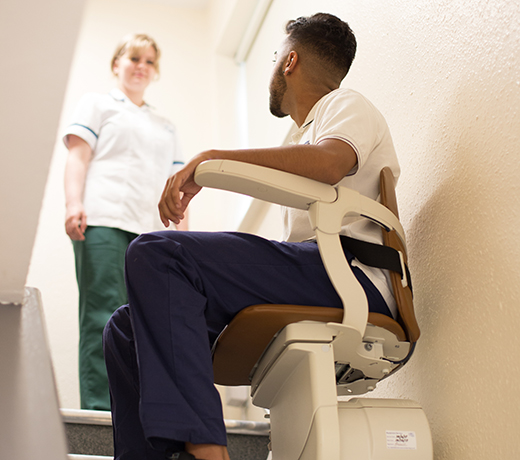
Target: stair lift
299 359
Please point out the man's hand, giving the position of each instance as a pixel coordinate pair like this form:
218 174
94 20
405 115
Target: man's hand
328 161
179 191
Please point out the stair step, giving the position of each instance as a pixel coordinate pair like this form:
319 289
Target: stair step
88 457
89 435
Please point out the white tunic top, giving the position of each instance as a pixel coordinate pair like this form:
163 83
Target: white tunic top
346 115
134 153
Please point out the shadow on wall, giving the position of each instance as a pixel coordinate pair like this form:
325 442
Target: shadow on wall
464 258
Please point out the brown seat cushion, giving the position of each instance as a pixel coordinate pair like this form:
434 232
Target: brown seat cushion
242 343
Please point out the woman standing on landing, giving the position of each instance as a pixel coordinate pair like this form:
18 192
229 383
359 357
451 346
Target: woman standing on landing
120 155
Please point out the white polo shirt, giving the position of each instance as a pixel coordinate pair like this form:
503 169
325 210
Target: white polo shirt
346 115
134 153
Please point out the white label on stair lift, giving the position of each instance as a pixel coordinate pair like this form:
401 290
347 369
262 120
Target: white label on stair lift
401 440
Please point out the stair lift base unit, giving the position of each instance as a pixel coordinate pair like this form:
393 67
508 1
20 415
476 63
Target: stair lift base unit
309 423
383 429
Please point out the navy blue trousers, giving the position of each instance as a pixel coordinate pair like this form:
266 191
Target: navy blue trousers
183 289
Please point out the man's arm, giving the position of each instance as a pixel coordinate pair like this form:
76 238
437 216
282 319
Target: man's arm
329 161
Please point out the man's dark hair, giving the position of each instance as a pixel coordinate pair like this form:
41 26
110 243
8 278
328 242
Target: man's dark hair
328 38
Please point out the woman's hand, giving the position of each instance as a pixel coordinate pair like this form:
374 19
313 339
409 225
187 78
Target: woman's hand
76 222
76 168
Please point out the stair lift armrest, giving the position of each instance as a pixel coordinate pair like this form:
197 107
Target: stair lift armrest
328 217
266 184
295 191
355 304
326 220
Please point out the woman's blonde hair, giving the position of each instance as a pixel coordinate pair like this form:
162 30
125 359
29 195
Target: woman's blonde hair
135 44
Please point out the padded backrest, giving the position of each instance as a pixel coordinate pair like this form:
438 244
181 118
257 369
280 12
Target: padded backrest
403 295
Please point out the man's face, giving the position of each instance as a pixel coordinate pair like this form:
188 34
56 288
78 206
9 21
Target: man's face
277 85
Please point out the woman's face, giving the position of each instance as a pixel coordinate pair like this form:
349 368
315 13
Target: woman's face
135 71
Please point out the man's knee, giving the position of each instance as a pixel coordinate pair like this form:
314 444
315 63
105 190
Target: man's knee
118 327
142 246
148 252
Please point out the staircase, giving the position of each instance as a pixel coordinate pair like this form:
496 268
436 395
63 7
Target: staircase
31 426
89 435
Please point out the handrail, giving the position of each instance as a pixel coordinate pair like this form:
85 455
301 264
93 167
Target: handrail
99 417
86 417
247 427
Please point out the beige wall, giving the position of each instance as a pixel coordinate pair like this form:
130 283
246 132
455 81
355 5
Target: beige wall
36 62
445 75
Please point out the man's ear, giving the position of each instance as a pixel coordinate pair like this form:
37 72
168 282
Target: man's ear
290 63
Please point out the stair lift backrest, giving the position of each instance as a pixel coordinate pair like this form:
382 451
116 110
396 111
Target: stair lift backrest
242 343
403 295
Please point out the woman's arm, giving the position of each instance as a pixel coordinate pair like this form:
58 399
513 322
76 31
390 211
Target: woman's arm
76 167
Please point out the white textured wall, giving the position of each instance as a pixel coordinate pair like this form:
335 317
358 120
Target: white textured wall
446 76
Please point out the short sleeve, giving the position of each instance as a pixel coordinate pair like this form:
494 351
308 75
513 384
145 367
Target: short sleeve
86 120
178 157
349 117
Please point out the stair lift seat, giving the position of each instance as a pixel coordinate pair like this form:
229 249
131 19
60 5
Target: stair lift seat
299 359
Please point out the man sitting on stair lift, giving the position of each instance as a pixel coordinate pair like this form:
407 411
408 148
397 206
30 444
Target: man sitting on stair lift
185 287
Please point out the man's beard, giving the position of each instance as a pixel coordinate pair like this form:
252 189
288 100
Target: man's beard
277 90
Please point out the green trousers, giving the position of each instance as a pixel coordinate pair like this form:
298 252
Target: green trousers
100 263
